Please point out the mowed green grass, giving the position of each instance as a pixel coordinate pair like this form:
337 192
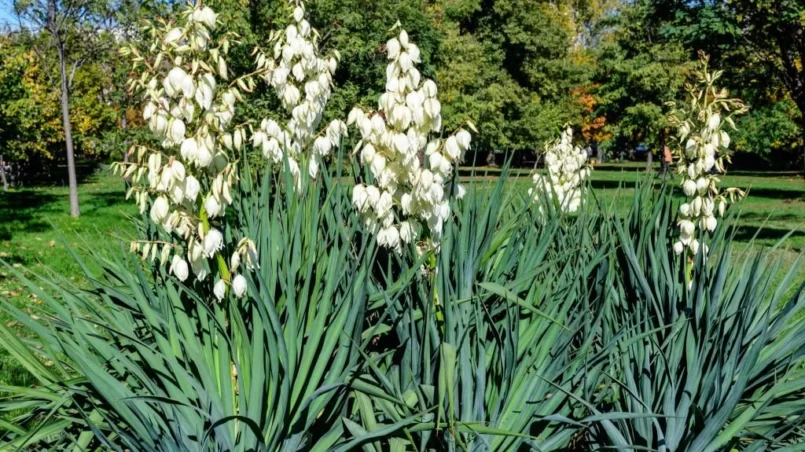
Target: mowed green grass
32 220
775 204
35 224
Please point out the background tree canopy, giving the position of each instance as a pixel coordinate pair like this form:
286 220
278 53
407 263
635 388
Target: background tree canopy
519 69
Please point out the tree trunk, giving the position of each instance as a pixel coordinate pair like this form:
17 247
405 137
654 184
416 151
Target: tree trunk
649 159
3 173
68 132
124 126
802 134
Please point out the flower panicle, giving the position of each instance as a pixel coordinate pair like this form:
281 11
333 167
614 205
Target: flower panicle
191 177
566 171
302 79
702 153
407 198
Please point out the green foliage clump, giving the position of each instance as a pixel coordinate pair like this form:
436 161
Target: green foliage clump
526 330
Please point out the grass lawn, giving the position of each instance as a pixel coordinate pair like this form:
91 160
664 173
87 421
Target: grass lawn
775 201
30 217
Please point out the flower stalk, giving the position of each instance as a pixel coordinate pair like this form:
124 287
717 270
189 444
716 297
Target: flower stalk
702 154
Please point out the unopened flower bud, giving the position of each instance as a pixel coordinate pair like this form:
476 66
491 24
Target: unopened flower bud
298 14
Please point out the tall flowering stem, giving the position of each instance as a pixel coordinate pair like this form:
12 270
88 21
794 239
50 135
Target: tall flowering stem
191 175
410 162
566 171
302 79
701 155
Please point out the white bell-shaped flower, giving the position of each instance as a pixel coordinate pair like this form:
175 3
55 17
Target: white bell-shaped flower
213 242
160 209
239 286
219 290
179 268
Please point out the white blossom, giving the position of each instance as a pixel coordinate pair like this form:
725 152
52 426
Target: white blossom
213 242
190 173
172 36
191 188
177 131
239 286
219 290
179 268
234 261
689 187
212 206
160 209
206 16
302 80
566 172
703 148
410 168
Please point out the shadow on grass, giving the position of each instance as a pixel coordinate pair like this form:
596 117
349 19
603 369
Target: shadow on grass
20 210
767 234
792 194
769 174
615 184
756 217
786 192
35 209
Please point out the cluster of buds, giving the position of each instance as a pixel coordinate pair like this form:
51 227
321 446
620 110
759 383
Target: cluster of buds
703 149
191 176
303 81
567 170
410 171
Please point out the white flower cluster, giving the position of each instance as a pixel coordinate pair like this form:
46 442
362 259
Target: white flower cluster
191 178
303 83
705 149
567 169
410 171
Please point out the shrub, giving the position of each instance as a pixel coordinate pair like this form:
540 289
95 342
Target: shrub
513 324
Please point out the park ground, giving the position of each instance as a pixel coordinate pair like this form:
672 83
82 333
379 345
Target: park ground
36 228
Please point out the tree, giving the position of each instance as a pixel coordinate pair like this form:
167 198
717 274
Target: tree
639 71
593 124
539 49
762 44
775 32
473 83
75 30
29 113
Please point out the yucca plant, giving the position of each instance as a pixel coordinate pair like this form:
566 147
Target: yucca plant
327 314
528 329
495 347
144 362
712 365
